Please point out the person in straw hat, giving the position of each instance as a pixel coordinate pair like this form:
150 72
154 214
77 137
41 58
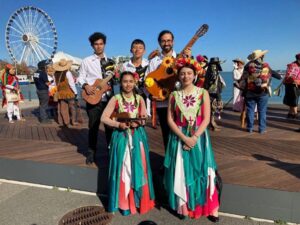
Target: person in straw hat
238 100
255 83
66 92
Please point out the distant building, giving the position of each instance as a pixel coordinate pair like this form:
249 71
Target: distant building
120 59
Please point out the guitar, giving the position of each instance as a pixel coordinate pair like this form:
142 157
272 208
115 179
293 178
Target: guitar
101 87
161 82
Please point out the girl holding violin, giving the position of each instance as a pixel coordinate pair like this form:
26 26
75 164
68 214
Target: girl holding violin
130 178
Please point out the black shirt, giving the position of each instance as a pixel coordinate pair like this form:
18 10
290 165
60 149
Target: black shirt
40 80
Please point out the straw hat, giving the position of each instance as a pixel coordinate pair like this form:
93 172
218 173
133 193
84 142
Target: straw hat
239 60
256 54
62 65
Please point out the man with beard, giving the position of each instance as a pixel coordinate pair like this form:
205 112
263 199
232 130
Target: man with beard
92 68
165 41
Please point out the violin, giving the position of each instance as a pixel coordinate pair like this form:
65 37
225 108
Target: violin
124 117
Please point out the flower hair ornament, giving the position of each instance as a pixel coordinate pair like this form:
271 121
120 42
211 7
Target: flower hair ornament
136 77
181 62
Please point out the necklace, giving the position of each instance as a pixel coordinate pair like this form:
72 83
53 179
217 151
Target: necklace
128 96
187 92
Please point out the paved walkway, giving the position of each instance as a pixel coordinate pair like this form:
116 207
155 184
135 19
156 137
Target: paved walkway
26 205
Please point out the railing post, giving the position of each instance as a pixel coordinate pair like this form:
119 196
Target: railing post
29 92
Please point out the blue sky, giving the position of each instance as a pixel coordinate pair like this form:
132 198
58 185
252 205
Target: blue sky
236 27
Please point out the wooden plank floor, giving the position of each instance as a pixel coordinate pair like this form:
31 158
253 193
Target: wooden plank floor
271 160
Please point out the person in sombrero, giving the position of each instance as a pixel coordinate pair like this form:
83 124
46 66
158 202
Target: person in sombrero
255 83
67 92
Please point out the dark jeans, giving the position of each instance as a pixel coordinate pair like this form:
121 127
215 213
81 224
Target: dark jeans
94 113
43 96
163 121
262 103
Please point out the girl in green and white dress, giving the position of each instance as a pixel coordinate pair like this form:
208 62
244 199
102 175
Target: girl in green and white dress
190 168
130 178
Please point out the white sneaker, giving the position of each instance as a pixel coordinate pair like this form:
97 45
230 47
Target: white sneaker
11 121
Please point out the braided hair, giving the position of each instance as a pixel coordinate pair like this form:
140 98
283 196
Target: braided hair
133 90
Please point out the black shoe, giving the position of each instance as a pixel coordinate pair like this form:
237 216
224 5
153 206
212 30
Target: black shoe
297 130
182 217
90 159
213 219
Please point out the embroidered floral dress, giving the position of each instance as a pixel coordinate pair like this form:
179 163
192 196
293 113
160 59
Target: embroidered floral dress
130 178
190 177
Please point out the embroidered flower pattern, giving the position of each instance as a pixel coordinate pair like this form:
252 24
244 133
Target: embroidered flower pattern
189 100
129 107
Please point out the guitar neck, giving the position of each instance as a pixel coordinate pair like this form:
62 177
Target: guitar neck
104 81
189 44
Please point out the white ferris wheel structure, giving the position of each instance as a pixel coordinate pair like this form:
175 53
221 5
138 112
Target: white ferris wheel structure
30 36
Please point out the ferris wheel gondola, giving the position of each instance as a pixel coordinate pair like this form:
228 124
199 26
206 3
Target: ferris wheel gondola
30 36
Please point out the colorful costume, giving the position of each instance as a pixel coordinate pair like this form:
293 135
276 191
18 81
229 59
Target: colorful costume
190 176
292 84
130 177
66 91
11 93
256 78
214 84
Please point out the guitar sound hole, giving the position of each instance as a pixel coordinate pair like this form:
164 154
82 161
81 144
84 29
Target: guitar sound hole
169 71
164 93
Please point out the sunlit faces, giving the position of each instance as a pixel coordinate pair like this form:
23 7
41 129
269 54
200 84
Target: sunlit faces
98 47
12 71
166 42
186 76
127 83
138 50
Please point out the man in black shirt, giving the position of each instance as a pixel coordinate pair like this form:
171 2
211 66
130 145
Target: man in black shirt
42 89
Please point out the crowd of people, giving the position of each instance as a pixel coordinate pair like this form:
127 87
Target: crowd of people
191 187
190 171
252 88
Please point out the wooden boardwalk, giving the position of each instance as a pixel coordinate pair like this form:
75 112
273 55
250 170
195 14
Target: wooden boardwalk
270 160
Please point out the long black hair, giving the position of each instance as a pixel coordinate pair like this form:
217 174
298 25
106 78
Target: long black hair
121 89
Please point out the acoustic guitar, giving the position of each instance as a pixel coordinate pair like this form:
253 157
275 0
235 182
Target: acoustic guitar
161 81
101 87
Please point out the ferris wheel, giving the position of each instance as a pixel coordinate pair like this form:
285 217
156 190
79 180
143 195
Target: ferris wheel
30 36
